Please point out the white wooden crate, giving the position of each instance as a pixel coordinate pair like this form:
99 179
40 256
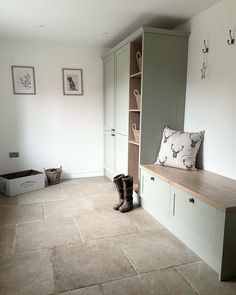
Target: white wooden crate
17 183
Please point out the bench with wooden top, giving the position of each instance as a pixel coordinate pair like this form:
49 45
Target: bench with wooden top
199 207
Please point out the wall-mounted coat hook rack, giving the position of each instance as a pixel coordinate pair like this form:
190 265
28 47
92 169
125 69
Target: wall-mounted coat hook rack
231 41
206 49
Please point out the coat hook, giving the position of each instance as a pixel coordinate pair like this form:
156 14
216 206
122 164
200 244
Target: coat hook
231 41
206 49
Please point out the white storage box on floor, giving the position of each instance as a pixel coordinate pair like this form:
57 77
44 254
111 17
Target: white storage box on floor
17 183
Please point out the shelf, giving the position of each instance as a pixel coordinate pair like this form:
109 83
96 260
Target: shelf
135 46
133 161
136 75
135 82
133 142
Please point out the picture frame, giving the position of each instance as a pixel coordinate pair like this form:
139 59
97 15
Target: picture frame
72 81
23 79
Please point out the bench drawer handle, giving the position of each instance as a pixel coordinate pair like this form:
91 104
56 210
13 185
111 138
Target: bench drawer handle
152 178
191 200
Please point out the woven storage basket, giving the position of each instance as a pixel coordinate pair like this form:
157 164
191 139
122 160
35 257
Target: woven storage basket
138 98
53 175
136 132
139 60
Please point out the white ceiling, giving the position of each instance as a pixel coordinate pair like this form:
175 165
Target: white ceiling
84 21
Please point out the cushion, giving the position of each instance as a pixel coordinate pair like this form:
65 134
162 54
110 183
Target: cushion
179 149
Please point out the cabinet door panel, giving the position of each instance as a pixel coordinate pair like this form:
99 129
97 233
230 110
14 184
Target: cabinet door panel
157 191
121 154
199 216
109 92
108 154
122 90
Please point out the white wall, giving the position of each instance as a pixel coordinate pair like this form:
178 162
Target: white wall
211 103
49 129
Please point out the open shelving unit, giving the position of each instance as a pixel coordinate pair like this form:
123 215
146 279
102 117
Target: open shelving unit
134 111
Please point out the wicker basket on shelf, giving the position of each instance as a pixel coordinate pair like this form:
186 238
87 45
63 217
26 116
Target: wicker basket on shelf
137 98
139 60
53 175
136 132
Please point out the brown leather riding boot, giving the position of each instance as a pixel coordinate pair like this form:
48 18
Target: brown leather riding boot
128 194
119 186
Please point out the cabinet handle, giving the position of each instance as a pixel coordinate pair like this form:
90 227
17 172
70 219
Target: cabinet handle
174 206
113 129
191 200
152 178
142 183
113 134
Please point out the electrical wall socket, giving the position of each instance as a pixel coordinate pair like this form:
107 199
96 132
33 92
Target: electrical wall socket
14 155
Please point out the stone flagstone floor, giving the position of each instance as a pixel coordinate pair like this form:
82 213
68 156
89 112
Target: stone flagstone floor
66 239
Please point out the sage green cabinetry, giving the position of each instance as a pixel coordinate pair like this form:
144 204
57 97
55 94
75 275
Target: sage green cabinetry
199 225
116 97
121 154
109 84
109 94
161 82
121 90
163 88
108 153
193 214
157 192
156 197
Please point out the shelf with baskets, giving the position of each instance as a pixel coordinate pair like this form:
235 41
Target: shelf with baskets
134 126
135 107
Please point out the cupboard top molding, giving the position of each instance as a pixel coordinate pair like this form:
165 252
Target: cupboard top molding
142 30
213 189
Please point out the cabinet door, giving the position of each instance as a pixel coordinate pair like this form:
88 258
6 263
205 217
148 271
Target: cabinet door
157 191
122 89
108 154
109 91
121 154
197 215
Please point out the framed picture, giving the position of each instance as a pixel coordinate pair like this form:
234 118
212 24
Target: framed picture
72 81
23 79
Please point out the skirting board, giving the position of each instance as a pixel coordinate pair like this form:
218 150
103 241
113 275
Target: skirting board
108 174
70 175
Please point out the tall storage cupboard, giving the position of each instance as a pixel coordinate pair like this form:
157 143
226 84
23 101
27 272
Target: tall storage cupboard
116 94
109 81
156 93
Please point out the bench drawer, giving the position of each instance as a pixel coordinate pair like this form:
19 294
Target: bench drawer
157 191
197 215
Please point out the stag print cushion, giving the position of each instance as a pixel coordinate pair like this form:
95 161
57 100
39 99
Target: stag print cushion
179 149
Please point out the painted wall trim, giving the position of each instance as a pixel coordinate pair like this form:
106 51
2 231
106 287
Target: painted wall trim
71 175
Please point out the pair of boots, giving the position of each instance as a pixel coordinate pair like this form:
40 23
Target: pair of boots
124 186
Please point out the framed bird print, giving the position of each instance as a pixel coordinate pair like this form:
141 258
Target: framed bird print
72 81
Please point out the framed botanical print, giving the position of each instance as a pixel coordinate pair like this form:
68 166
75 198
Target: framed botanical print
72 81
23 79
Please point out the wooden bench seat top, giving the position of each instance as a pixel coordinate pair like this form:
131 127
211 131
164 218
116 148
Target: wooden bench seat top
216 190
